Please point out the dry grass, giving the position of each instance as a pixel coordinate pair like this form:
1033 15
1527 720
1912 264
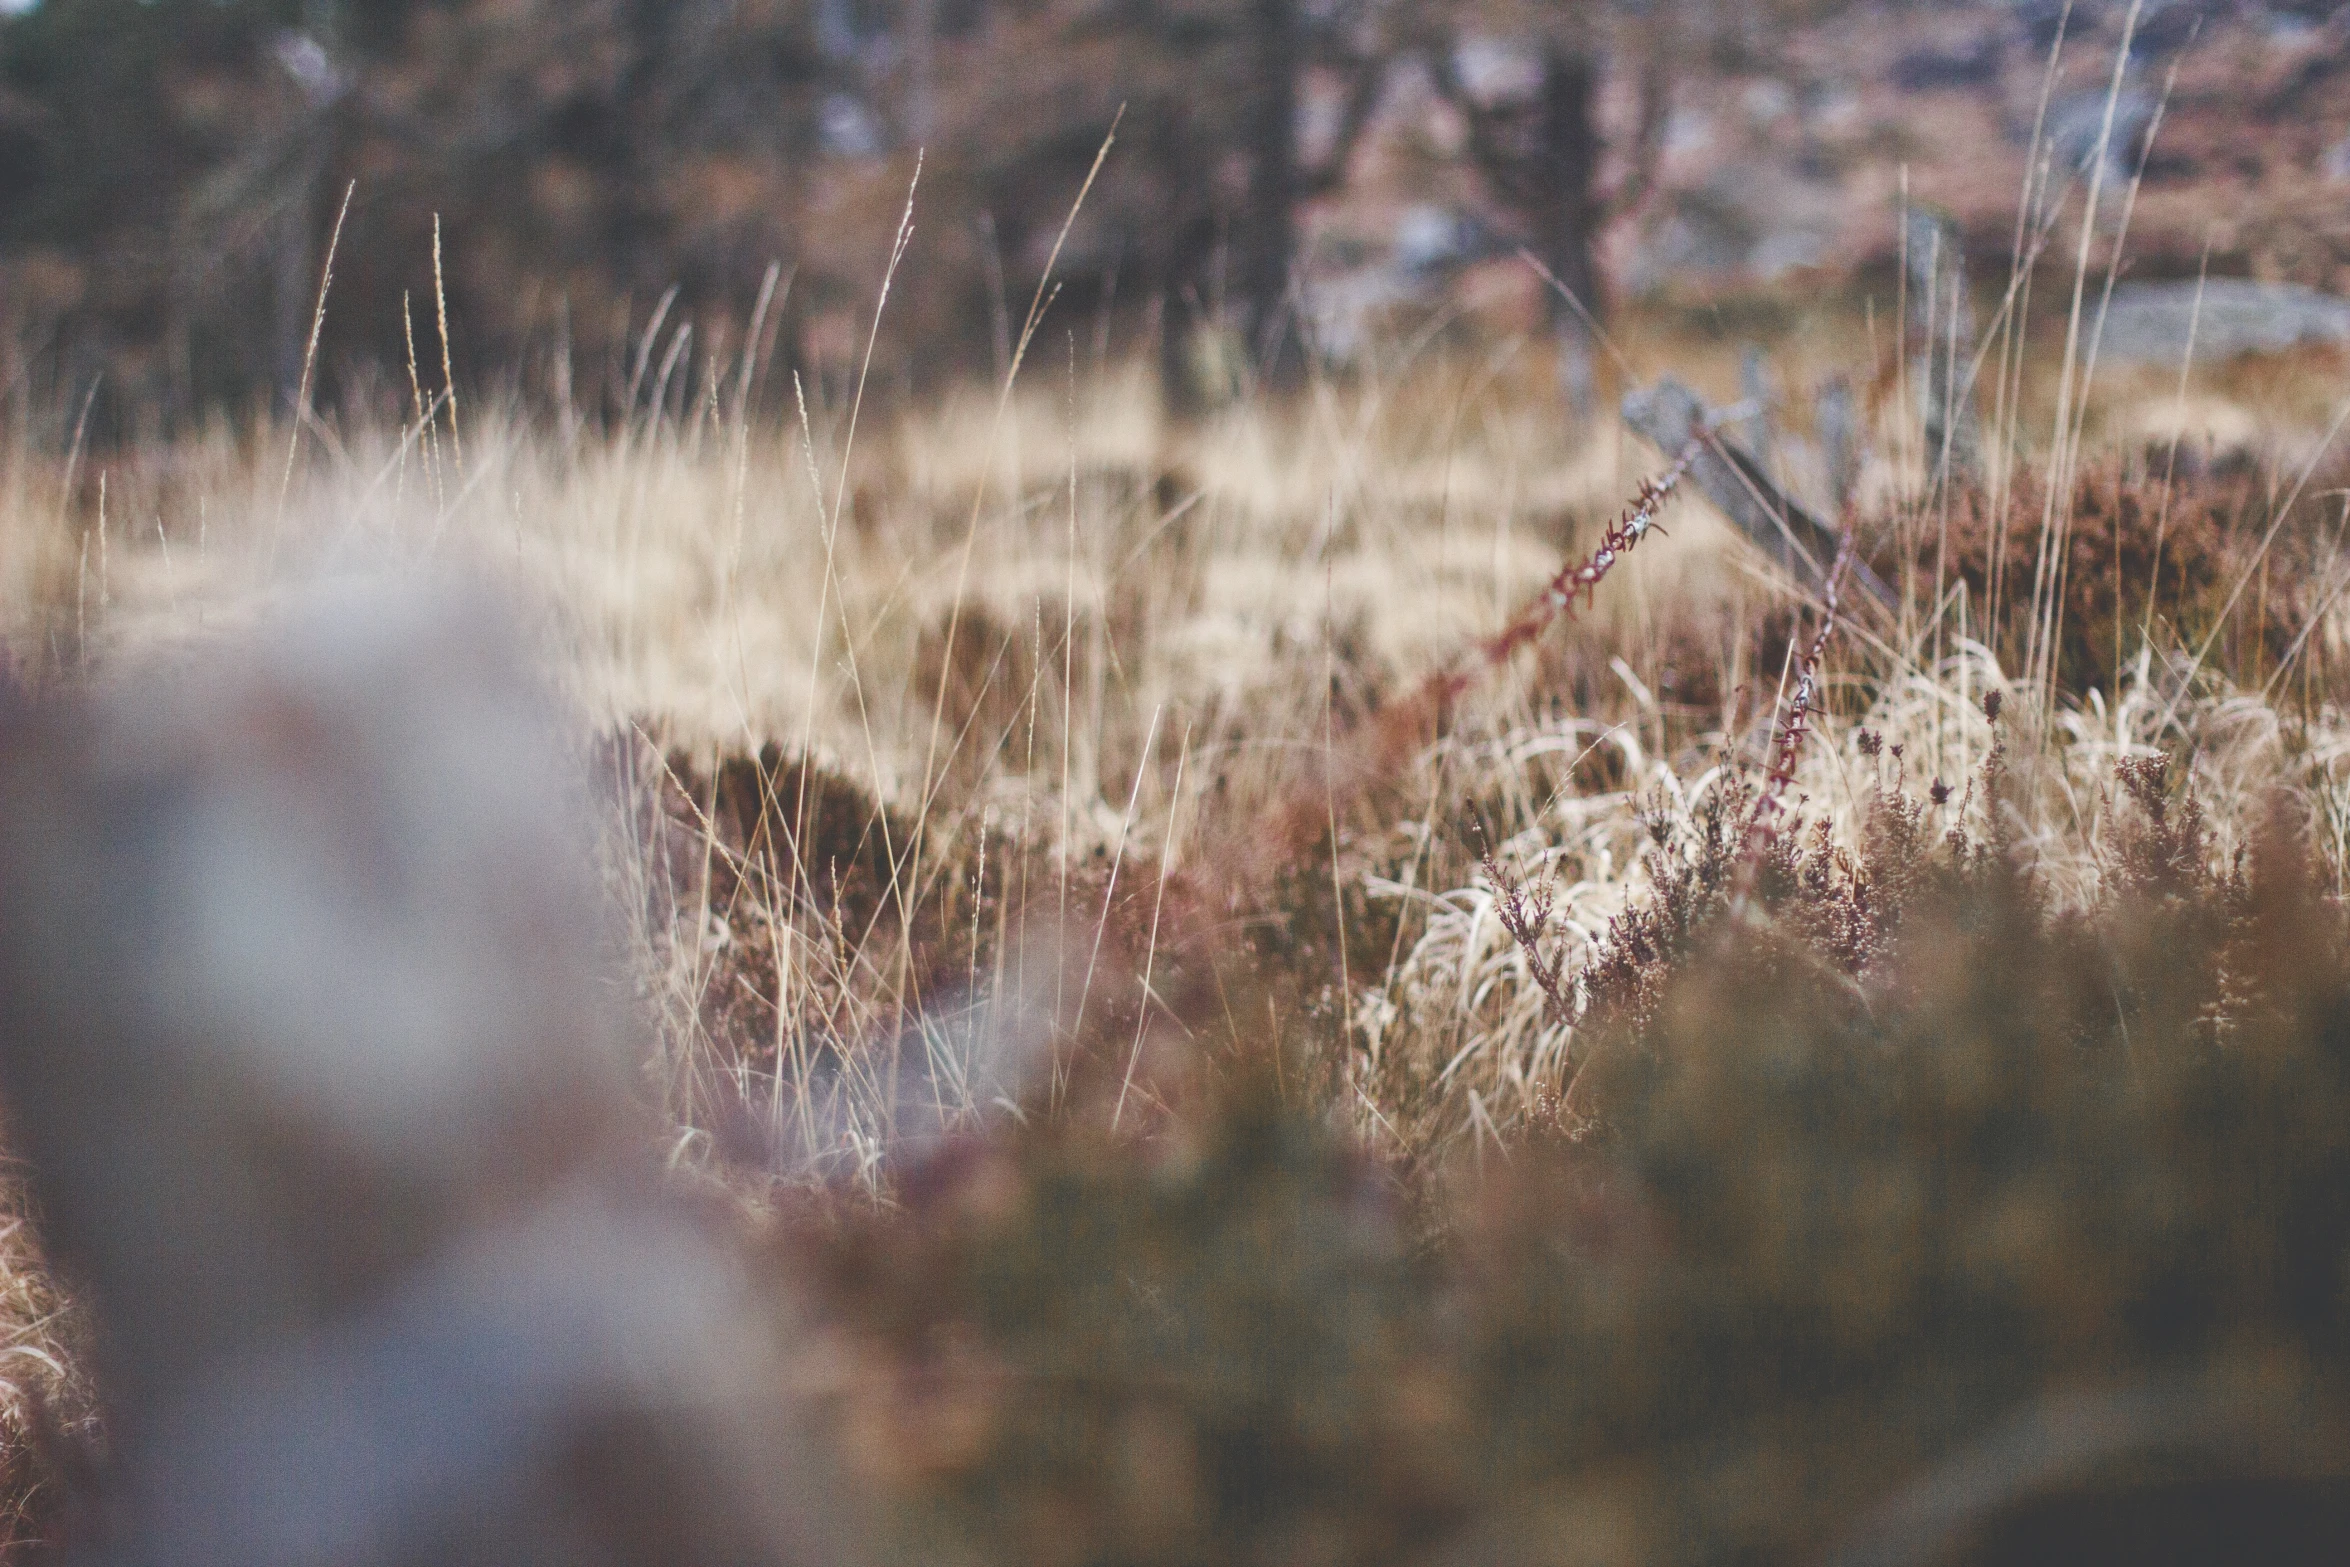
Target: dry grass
1014 628
45 1399
934 749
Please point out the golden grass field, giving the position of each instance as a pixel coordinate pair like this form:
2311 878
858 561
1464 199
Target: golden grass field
1057 656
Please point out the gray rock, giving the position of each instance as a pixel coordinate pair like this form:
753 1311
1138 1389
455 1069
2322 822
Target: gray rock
2150 323
2076 125
308 1035
1748 220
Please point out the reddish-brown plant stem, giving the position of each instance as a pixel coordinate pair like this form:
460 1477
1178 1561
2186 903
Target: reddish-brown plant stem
1770 805
1525 916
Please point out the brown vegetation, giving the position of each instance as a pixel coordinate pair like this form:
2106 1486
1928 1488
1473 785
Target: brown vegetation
1233 1058
2161 552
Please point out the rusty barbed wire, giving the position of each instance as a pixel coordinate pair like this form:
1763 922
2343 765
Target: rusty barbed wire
1381 745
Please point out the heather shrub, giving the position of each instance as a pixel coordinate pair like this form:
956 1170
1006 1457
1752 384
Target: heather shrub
1863 1147
2140 551
1861 1163
1857 1128
1213 1347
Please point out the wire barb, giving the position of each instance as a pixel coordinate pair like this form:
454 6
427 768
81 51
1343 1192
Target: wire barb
1582 578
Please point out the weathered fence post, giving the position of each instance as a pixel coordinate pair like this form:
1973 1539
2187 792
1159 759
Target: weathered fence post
1668 415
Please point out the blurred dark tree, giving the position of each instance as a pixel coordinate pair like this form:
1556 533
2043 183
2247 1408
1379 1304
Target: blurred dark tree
109 111
177 169
1529 79
1199 212
171 172
116 107
1526 76
585 158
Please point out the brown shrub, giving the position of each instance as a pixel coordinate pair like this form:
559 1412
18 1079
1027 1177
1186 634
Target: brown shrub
1855 1177
2138 557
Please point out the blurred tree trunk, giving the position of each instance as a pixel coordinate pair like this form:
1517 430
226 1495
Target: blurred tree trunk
1565 168
1539 152
922 71
1269 252
294 258
1184 256
1567 214
639 235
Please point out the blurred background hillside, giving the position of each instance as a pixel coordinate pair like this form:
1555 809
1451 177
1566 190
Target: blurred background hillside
1293 178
